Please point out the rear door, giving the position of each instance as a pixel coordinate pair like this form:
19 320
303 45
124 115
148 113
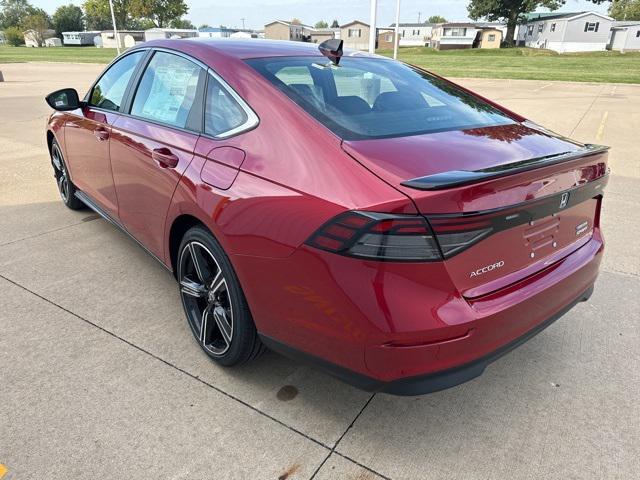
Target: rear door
87 134
152 146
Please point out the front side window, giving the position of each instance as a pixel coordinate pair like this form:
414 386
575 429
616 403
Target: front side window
109 91
375 98
167 90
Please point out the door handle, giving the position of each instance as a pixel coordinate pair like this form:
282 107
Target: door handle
101 133
165 158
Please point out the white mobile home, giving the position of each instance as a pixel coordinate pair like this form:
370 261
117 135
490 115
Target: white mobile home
450 36
215 32
79 38
162 33
127 38
625 37
33 38
566 32
414 34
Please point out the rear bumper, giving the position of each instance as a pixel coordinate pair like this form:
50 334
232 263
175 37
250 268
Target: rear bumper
420 384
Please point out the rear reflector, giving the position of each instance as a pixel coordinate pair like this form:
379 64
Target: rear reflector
378 236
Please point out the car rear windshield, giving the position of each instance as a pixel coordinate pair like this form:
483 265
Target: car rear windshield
368 97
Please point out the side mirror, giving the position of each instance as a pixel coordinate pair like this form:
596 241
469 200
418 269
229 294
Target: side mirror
64 100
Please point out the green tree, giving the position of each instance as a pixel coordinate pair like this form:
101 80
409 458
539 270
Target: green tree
160 12
182 23
14 12
205 25
68 18
625 9
335 24
510 11
98 14
436 19
37 23
321 24
296 21
14 36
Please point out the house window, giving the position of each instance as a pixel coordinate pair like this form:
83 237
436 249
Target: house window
553 27
416 32
389 38
455 32
492 37
402 33
591 26
354 32
540 28
638 34
530 30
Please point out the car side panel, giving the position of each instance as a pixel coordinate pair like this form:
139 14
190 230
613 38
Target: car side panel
87 144
144 186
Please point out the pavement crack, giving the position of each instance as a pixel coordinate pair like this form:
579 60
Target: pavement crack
29 237
175 367
595 99
335 445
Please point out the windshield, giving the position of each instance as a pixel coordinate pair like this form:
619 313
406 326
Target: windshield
376 98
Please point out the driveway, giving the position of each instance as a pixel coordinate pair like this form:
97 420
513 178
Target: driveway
100 376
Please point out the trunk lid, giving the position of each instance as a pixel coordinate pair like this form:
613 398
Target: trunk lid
504 202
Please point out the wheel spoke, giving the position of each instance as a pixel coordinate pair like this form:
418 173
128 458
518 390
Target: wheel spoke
217 284
203 324
200 264
193 289
220 316
56 161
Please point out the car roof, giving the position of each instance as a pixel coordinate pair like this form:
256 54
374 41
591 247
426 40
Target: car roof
245 47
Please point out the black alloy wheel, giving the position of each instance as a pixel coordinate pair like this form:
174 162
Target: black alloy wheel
213 301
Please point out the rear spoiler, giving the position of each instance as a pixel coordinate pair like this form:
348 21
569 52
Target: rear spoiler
456 178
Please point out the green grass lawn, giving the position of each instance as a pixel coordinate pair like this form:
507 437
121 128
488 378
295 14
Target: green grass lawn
522 63
57 54
526 63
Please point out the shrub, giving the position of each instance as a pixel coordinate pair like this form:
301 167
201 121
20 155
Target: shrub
14 36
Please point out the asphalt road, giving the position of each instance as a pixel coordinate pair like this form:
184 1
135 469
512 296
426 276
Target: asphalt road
100 376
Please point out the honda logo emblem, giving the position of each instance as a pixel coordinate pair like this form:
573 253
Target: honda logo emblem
564 199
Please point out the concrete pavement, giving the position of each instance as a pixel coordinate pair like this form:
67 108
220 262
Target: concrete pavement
101 378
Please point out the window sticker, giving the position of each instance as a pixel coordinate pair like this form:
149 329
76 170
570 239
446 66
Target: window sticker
168 92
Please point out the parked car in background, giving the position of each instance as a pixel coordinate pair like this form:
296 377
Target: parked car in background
358 213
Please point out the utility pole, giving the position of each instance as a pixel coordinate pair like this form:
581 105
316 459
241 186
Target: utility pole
115 30
396 40
372 26
243 19
419 14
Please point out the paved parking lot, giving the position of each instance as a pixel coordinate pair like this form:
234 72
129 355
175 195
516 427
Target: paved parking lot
100 377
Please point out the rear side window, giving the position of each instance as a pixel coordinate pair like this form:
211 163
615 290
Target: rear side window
376 98
226 113
167 90
109 91
223 114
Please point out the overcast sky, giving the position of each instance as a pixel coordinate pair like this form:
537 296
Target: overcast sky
256 13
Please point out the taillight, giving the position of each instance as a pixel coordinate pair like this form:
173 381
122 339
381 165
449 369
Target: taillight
456 234
378 236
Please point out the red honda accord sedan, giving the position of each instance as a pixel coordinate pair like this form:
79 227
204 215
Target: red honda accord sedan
358 213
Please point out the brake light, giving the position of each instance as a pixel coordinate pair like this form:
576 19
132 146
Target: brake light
455 234
378 236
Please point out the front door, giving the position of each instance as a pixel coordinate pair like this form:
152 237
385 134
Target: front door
87 134
153 145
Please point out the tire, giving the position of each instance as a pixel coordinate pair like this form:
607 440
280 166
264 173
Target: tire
66 188
212 298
